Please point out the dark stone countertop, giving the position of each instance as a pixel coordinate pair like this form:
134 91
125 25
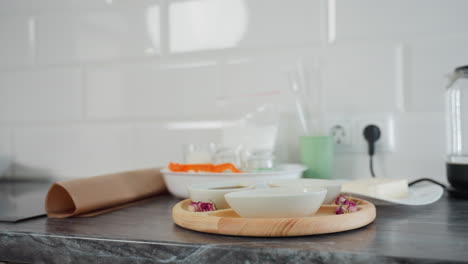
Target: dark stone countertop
145 233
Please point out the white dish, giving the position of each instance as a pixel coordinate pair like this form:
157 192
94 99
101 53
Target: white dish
208 192
385 188
177 182
333 186
277 202
418 194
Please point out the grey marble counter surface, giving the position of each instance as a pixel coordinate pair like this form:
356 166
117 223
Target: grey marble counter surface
145 233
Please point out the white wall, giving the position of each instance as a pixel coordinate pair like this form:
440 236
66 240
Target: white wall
95 86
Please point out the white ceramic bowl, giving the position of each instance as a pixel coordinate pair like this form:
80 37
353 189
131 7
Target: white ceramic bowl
177 182
214 192
276 202
333 186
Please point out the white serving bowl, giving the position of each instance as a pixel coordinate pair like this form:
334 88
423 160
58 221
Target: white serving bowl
177 182
333 186
276 202
214 192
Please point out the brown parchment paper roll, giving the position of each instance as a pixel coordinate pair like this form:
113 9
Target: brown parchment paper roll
101 194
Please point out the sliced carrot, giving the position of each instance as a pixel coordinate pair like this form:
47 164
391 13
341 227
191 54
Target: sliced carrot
176 167
224 167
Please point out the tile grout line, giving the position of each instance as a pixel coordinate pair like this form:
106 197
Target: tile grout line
164 29
83 93
400 78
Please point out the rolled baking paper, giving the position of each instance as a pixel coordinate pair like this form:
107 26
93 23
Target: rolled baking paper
100 194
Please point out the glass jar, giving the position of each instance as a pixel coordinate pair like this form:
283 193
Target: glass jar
198 153
226 155
258 159
457 129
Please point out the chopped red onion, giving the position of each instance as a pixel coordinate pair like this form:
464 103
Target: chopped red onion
201 207
340 199
345 205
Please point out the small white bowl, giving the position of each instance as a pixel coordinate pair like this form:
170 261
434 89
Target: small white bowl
333 186
214 192
276 202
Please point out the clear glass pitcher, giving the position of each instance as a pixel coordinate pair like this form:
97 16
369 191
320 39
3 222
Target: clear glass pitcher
457 129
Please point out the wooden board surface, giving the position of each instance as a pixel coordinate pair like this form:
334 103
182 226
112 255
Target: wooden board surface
228 222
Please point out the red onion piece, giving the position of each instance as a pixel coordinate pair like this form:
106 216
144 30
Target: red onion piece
201 207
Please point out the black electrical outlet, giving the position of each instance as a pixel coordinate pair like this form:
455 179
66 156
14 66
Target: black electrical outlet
371 134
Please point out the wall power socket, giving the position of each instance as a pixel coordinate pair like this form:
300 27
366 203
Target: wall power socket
347 132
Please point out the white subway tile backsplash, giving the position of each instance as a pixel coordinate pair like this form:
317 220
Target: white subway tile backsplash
222 24
247 85
156 145
399 19
272 22
359 78
31 6
145 90
9 7
254 77
72 151
206 24
385 56
429 63
421 147
41 95
98 35
16 41
207 89
17 7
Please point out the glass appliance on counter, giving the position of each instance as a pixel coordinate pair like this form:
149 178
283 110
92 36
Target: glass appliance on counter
457 131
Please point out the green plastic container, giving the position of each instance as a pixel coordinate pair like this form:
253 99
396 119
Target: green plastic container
317 154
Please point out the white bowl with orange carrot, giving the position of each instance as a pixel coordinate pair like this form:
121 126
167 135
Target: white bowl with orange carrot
178 177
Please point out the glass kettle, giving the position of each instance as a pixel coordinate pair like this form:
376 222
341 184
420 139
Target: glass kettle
457 129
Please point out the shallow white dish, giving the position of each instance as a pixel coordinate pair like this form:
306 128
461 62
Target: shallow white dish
210 192
418 194
177 182
333 186
277 202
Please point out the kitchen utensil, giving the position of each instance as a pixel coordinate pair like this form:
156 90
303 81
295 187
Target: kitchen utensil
302 110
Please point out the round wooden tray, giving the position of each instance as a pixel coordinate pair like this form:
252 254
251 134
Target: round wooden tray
228 222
